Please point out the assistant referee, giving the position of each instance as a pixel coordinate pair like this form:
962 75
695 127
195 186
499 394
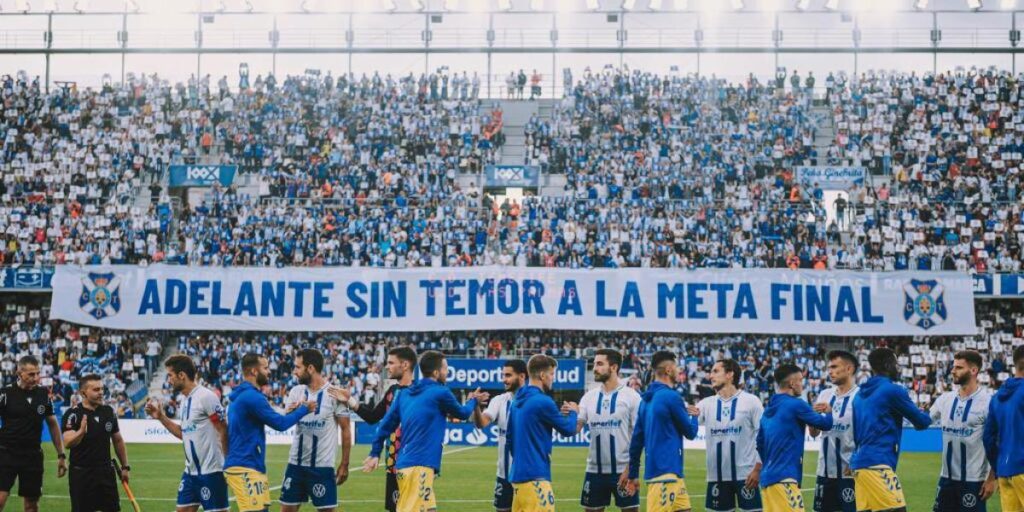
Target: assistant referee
23 408
89 429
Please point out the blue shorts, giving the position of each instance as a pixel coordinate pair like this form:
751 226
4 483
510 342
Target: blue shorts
835 495
599 489
503 494
302 484
954 496
209 491
723 496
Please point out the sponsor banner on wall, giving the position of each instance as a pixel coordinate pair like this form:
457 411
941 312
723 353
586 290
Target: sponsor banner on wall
515 176
776 301
486 374
998 285
830 176
25 278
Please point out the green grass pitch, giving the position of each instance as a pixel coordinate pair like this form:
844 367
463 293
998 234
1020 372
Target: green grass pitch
466 485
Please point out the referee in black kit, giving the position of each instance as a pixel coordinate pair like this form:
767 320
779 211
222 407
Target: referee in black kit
23 408
89 427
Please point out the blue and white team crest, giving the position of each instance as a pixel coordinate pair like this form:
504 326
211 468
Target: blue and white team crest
100 296
925 306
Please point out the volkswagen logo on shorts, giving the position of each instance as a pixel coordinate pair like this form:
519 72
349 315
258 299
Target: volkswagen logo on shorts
970 500
748 494
848 495
205 493
319 490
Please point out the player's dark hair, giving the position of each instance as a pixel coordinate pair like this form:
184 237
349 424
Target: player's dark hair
844 355
540 363
614 356
404 354
972 357
660 357
517 365
250 361
28 360
731 366
430 362
312 357
181 363
1018 357
785 371
883 362
85 379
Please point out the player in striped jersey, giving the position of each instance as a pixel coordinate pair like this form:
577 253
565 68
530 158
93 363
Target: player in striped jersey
204 434
731 419
513 376
610 411
966 480
310 474
834 491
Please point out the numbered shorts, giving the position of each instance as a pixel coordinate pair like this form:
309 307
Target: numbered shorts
667 493
209 491
302 484
878 489
416 489
722 496
835 495
598 491
1011 493
250 487
784 496
534 496
503 494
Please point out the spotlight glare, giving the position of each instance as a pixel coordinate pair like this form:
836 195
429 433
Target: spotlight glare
1008 4
417 5
504 5
451 5
654 5
593 5
389 5
628 5
831 4
920 4
737 5
974 4
802 5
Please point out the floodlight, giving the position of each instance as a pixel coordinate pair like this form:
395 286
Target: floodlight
974 4
451 5
417 5
628 5
831 4
504 5
537 5
802 5
920 4
389 5
654 5
593 5
1008 4
737 5
681 5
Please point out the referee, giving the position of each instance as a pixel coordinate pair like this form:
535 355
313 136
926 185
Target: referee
89 428
23 407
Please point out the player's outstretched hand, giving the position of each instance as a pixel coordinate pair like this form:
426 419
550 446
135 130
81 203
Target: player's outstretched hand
341 475
822 408
481 396
310 406
370 464
692 410
568 407
340 394
154 409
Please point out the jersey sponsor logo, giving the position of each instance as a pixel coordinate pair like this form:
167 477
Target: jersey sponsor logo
958 431
924 303
726 431
606 424
41 410
317 424
109 427
205 493
100 297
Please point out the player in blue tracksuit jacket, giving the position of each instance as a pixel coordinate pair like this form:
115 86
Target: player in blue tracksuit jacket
780 441
245 468
1004 436
421 411
661 425
528 438
878 412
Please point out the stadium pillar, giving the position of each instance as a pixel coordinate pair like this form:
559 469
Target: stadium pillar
49 44
490 46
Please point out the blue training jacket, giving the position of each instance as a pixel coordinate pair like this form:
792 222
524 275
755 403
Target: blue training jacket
661 424
780 440
1004 430
248 414
528 438
422 412
878 412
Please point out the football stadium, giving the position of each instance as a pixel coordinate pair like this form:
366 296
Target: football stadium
511 255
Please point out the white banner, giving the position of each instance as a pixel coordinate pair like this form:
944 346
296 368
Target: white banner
152 432
772 301
830 176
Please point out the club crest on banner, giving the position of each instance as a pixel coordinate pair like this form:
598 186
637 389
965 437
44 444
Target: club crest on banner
100 297
924 305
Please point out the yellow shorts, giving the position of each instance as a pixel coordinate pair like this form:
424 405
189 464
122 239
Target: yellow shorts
667 493
784 496
535 496
250 487
1011 493
878 488
416 489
